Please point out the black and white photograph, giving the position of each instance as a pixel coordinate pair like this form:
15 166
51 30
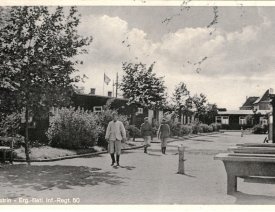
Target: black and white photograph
138 102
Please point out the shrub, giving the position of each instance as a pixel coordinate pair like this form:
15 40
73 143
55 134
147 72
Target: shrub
196 128
178 129
259 129
216 126
73 129
206 128
10 124
133 131
185 130
174 128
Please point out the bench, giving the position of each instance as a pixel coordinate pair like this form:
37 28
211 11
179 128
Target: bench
6 150
247 161
253 150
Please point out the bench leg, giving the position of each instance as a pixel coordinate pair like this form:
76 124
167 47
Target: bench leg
231 184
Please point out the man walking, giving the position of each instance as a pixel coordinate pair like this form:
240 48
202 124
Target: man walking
146 133
115 133
163 135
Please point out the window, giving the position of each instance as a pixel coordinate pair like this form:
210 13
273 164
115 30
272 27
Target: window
242 120
218 119
225 120
140 110
97 109
263 121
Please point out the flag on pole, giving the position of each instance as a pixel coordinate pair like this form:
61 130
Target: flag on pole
106 79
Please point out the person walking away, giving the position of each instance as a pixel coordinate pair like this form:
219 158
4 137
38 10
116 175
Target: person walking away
115 133
146 133
163 135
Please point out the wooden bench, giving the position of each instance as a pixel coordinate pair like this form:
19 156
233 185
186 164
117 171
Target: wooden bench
248 161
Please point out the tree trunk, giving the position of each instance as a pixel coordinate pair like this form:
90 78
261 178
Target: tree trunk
27 152
179 114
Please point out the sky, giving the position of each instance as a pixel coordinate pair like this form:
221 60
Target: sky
227 61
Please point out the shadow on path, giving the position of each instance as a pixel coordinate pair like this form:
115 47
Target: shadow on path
233 135
125 167
187 175
47 177
213 136
202 140
250 199
152 154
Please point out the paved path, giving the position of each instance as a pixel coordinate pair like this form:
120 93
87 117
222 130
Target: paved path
141 179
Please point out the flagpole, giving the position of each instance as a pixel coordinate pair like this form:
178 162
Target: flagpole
116 83
113 88
103 82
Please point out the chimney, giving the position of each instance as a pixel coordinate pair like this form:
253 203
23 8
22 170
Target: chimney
92 91
271 91
110 93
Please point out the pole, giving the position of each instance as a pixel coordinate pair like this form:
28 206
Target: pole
272 120
103 83
116 83
270 127
181 149
113 88
272 97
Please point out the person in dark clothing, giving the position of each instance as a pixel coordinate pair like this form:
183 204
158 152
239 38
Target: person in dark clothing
163 135
146 133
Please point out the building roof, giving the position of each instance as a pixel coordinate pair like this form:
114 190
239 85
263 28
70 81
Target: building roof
100 96
265 97
257 101
243 112
249 101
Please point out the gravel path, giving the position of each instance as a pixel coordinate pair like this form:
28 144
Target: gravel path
142 178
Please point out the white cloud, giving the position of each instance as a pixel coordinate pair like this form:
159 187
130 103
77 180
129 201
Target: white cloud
233 58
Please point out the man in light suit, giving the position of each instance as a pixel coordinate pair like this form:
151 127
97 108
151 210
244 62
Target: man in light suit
115 133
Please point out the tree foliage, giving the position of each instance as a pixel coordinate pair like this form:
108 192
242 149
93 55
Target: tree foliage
181 97
37 54
205 111
200 103
140 85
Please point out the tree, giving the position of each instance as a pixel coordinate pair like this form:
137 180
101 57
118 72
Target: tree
181 98
211 113
141 85
200 102
37 59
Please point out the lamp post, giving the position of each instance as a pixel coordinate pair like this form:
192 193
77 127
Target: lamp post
272 97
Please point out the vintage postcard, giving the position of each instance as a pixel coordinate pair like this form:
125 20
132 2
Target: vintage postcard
144 103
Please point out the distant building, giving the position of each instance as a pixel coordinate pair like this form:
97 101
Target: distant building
135 112
255 110
258 103
237 119
248 105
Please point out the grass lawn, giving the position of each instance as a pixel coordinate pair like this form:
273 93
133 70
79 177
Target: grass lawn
48 152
